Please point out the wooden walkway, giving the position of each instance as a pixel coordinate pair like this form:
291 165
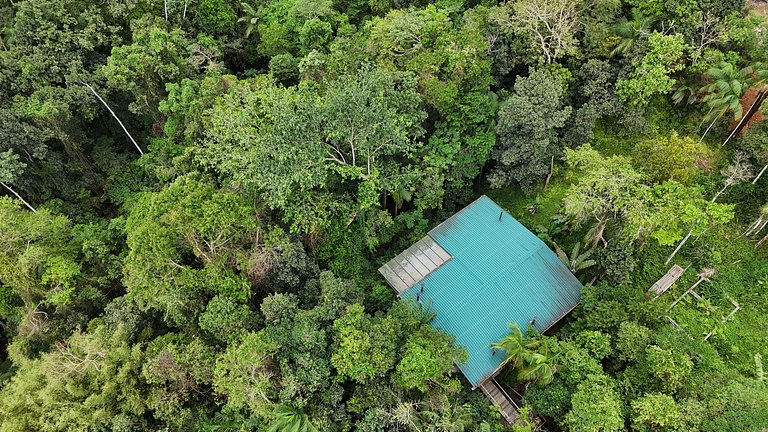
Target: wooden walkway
666 281
501 400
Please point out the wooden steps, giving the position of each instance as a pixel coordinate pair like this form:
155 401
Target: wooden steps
501 400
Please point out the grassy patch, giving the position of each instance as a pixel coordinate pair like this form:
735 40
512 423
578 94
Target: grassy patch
532 210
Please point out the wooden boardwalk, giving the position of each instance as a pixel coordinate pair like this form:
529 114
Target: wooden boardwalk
666 281
499 397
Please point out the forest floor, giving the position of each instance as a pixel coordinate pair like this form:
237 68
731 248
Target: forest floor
760 7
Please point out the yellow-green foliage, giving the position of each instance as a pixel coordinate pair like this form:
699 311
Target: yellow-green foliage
672 158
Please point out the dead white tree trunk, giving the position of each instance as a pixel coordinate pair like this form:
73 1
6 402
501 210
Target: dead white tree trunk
738 171
165 8
760 174
760 223
677 249
551 171
113 115
720 192
19 197
710 127
703 119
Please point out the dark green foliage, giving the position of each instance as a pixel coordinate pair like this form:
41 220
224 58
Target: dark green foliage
528 122
179 372
755 142
284 67
595 407
225 319
616 262
215 16
188 288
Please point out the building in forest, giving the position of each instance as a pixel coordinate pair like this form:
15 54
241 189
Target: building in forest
478 271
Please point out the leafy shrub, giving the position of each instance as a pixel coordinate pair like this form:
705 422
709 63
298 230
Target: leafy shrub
224 318
671 158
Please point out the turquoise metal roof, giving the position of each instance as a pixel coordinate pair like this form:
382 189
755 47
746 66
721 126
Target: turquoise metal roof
499 273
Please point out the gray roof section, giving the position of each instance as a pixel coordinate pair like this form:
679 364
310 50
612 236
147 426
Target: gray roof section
414 264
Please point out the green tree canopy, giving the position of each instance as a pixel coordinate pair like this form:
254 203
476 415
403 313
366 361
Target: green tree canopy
527 131
182 242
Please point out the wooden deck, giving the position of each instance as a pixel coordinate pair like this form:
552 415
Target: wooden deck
501 400
666 281
414 264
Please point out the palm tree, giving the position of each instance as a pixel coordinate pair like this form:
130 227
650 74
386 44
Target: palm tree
290 419
538 369
724 93
577 260
512 344
251 18
631 31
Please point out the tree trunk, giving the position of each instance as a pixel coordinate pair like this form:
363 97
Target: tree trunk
703 119
599 233
677 249
760 174
549 176
747 116
710 126
720 192
113 115
19 197
756 226
762 240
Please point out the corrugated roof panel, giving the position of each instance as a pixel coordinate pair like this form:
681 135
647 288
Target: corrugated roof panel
499 273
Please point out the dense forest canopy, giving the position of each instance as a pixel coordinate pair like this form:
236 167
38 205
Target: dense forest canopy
196 194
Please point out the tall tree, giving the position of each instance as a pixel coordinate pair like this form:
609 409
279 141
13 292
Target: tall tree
320 157
610 189
652 74
550 26
527 131
596 407
184 246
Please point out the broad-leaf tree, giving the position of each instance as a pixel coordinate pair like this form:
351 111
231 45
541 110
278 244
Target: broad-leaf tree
527 131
